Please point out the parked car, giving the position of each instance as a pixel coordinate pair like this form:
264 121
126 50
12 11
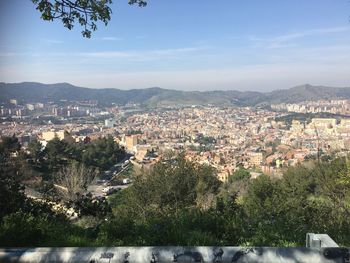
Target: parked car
126 181
101 181
112 190
105 190
108 173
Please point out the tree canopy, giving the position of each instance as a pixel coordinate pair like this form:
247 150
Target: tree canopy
84 12
172 185
177 202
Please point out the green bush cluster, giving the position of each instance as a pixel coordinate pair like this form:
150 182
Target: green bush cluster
180 202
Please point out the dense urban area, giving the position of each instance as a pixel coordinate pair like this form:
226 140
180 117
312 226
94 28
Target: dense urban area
75 173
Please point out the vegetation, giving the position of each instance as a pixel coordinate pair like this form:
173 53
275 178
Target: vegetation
206 140
239 175
102 153
84 12
180 202
74 179
306 117
54 159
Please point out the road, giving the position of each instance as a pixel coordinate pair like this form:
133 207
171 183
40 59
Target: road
96 189
100 182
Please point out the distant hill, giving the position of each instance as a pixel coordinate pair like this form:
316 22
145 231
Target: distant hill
307 92
34 92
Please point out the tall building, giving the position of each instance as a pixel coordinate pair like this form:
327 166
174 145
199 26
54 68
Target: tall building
30 107
130 142
324 122
62 135
14 101
256 158
109 123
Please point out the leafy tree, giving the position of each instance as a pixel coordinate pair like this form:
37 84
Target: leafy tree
11 194
9 145
234 220
36 152
172 185
56 153
20 229
59 153
207 186
84 12
332 195
11 191
259 204
176 203
86 205
119 230
25 229
240 174
280 212
49 192
103 153
206 140
237 184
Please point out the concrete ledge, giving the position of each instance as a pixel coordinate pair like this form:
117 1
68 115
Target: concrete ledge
174 254
319 240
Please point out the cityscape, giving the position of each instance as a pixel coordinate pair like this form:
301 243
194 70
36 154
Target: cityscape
174 131
261 140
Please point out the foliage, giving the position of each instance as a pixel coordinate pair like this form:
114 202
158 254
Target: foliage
306 117
11 192
86 205
206 140
103 153
240 174
27 230
172 185
201 148
84 12
11 195
304 200
179 202
36 152
237 183
9 145
58 153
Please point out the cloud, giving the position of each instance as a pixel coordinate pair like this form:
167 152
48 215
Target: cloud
142 55
53 41
105 54
333 54
197 67
117 58
111 38
176 50
286 40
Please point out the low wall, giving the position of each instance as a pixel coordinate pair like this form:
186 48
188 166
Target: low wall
175 254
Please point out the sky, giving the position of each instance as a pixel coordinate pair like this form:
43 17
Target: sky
258 45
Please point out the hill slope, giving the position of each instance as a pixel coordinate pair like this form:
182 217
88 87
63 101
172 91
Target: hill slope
34 92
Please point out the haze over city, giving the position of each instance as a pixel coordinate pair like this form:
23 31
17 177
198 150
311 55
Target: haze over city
190 45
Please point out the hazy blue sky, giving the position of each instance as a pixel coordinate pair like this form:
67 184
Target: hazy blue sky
184 44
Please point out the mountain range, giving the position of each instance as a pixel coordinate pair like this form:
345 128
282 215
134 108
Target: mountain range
27 92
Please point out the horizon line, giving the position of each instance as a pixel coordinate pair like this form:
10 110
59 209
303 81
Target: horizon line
157 87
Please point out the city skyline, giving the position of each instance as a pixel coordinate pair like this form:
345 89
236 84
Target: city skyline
227 46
